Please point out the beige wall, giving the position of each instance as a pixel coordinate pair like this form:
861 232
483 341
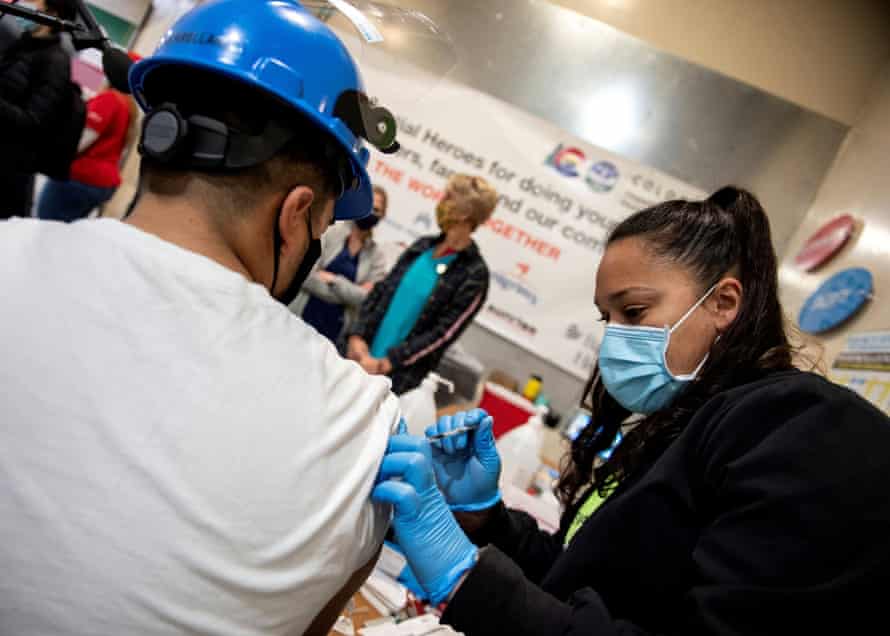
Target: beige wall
831 56
858 184
821 54
132 10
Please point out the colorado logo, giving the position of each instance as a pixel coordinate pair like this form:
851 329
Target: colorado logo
566 160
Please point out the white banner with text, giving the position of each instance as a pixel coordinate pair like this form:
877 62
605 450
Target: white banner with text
559 199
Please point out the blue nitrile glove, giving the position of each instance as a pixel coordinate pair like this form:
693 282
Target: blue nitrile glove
406 576
467 465
408 579
436 548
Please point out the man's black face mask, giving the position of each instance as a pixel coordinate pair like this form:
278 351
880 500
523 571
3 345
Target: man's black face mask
309 259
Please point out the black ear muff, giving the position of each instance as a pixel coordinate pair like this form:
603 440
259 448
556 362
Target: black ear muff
163 134
197 142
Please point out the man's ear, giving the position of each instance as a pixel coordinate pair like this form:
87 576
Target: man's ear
293 219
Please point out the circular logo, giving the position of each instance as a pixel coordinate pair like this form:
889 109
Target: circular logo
825 243
836 300
602 176
568 161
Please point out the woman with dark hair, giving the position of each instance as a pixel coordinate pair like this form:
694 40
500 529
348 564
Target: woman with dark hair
747 497
351 263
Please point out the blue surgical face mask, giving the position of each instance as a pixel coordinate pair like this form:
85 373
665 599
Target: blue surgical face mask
633 365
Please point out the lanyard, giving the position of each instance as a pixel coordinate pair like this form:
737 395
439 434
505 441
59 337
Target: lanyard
592 502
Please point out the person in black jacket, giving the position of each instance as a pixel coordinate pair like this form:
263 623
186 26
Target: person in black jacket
751 498
9 32
432 294
34 78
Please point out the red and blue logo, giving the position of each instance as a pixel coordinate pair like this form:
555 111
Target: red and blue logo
567 160
570 161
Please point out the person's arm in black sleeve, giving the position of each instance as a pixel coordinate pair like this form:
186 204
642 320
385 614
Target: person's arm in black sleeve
794 542
517 535
451 321
49 79
496 599
797 476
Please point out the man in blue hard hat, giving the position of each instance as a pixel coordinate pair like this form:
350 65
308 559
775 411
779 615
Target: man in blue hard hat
179 453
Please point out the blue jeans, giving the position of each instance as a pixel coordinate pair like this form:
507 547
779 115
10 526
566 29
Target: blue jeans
70 200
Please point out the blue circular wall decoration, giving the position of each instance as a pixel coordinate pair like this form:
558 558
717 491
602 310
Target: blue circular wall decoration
836 300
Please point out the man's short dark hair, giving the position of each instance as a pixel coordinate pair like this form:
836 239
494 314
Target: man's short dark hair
305 160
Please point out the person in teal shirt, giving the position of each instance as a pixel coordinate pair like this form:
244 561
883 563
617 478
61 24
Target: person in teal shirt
410 298
438 285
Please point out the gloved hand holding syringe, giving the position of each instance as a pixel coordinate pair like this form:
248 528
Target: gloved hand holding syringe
451 433
456 466
466 460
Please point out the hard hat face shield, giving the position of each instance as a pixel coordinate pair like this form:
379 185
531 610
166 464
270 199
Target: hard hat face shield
288 51
409 46
415 54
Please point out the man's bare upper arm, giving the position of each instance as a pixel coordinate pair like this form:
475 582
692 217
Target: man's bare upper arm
324 621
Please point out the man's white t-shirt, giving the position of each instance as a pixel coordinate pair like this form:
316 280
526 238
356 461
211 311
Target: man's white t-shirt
179 453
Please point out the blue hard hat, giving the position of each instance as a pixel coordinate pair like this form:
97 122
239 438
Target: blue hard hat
278 47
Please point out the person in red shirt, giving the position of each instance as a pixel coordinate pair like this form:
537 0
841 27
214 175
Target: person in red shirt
95 174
